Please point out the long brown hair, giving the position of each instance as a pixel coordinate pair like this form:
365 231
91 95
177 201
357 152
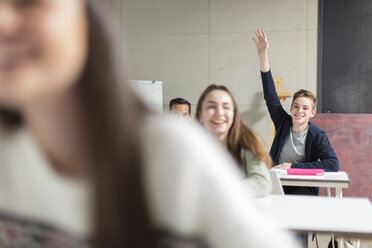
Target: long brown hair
240 136
111 116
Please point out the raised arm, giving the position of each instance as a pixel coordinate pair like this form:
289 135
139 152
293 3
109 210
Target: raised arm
262 46
277 113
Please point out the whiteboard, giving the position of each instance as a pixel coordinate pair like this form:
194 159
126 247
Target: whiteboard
151 92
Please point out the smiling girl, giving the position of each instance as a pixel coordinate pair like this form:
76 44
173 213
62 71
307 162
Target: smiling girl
219 114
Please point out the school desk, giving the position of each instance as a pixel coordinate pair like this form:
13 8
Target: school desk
344 217
338 180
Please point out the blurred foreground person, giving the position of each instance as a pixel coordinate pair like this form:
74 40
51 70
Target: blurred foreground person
83 163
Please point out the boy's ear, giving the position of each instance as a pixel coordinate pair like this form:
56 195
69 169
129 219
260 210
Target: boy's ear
313 112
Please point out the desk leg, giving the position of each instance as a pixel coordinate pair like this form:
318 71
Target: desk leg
333 240
329 192
356 243
339 195
341 242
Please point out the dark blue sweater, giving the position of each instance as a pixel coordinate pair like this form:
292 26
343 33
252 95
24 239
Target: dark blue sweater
319 153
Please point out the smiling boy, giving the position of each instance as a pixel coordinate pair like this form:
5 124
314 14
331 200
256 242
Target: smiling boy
298 143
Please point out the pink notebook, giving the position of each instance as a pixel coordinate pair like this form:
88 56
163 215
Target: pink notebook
306 172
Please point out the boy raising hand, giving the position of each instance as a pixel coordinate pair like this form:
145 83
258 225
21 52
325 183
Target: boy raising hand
298 143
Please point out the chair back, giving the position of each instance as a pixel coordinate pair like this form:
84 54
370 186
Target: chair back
277 188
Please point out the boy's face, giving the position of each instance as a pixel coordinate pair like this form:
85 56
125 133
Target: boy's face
182 110
302 110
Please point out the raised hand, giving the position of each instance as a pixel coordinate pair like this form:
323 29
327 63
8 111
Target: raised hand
262 46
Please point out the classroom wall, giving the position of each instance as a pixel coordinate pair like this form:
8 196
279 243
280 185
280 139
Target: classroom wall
189 44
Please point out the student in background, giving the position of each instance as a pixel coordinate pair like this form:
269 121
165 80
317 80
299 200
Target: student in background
298 143
83 163
180 107
219 114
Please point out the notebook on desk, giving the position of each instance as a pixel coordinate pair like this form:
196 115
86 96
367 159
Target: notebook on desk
305 172
283 174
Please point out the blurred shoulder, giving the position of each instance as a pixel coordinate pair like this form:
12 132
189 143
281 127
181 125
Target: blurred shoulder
169 126
176 137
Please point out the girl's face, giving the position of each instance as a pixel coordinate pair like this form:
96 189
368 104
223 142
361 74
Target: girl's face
217 113
43 46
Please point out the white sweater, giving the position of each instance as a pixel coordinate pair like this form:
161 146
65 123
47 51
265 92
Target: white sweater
192 186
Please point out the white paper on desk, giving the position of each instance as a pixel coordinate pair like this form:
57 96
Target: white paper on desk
336 173
280 171
311 177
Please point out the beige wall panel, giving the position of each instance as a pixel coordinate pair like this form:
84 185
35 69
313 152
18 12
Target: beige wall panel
159 17
248 15
181 62
288 59
312 60
312 11
234 63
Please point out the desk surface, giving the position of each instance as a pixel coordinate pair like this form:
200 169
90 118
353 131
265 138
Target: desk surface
330 179
348 217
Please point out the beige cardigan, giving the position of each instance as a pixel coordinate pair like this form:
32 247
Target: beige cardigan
257 174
